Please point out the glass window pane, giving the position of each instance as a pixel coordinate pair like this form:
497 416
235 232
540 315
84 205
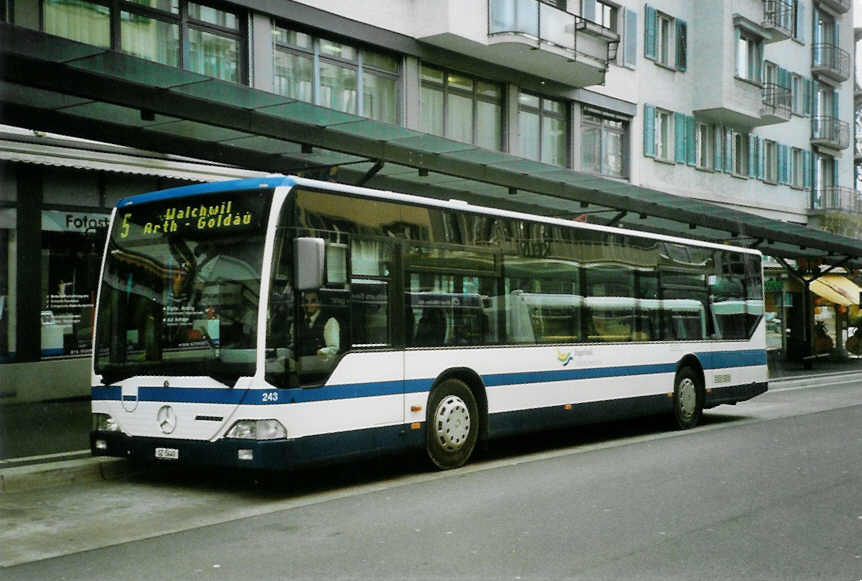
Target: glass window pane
460 82
150 39
336 49
380 98
613 162
292 37
554 141
431 110
528 124
491 90
380 61
527 100
431 74
78 20
293 75
212 15
212 55
553 107
591 145
8 293
489 125
459 120
172 6
337 87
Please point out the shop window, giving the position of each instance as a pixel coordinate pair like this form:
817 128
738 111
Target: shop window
72 244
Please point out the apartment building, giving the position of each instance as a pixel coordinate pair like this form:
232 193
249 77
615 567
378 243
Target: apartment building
742 103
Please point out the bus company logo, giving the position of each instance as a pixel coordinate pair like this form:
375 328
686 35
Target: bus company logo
167 419
564 358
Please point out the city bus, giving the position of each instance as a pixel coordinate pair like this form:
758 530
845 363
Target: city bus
280 321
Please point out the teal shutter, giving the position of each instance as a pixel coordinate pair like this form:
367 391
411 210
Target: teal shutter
649 130
728 151
800 20
716 148
681 45
815 171
783 168
834 172
691 140
761 158
752 156
835 114
806 169
630 50
650 36
588 9
808 87
679 137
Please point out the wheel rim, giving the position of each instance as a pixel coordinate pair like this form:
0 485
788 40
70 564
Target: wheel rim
452 423
687 398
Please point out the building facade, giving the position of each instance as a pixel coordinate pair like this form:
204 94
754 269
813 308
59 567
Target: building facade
742 103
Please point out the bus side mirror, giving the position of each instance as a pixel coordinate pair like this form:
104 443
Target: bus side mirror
309 267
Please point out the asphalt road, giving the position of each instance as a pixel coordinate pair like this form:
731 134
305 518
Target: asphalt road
770 489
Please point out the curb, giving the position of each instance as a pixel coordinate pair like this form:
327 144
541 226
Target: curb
63 473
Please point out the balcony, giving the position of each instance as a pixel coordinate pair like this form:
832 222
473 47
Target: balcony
540 39
776 106
777 19
827 131
836 198
830 61
840 6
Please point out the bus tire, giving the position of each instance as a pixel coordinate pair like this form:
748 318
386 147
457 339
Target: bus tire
687 398
452 424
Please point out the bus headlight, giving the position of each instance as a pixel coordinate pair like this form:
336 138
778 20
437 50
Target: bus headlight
257 430
104 423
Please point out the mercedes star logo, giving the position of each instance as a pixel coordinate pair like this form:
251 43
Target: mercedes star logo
167 419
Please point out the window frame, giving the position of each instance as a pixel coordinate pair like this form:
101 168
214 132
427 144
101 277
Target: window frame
739 154
705 144
542 112
664 138
770 161
596 119
752 46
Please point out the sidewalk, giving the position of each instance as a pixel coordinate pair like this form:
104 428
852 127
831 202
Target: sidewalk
47 444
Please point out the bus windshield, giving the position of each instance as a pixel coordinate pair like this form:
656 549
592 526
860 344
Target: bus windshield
180 287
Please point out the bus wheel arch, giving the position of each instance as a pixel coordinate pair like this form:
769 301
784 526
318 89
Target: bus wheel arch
688 393
456 418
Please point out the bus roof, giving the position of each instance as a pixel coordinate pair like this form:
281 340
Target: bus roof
278 180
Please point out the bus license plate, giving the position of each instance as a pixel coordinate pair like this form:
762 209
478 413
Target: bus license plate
167 454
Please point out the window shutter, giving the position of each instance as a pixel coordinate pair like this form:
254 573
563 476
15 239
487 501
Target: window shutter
834 172
835 109
716 148
800 20
588 9
783 173
679 137
681 45
752 156
814 172
650 36
806 169
691 140
808 86
761 158
630 50
728 151
649 130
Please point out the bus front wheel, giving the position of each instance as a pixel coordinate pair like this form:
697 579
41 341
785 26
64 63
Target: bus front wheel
452 426
687 398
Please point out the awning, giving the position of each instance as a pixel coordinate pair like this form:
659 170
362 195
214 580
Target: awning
836 289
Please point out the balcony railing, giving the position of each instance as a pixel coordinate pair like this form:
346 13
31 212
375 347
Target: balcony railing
776 101
830 132
778 16
831 61
836 198
546 24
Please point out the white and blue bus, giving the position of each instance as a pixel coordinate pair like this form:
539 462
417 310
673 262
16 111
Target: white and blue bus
280 321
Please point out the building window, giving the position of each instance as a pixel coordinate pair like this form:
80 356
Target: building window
189 35
797 96
770 161
600 12
705 143
603 144
462 108
749 55
543 128
664 139
336 75
797 165
739 154
665 39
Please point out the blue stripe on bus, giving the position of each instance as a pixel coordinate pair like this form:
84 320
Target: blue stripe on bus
208 188
709 360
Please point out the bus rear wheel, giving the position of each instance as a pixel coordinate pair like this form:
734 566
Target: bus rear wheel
452 426
687 398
